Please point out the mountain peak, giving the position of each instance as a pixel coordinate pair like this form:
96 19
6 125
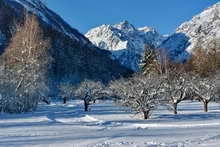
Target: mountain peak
202 29
125 26
126 43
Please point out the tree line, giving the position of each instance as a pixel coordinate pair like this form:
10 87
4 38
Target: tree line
161 82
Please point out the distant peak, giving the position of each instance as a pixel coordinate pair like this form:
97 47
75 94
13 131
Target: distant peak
147 29
125 22
125 25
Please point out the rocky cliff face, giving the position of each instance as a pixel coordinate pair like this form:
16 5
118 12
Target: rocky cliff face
125 42
202 29
75 58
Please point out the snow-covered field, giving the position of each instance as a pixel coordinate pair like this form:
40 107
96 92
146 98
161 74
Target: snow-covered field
107 125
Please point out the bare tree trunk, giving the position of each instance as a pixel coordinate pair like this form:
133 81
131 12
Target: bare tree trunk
46 101
205 103
175 108
64 100
86 105
146 114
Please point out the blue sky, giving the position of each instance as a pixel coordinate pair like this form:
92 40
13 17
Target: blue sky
164 15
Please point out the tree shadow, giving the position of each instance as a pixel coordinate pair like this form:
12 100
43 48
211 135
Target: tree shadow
197 117
51 114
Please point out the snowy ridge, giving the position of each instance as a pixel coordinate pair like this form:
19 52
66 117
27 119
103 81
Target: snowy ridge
49 17
124 41
203 28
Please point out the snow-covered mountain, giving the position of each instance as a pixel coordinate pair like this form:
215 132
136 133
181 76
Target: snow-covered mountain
75 57
37 7
126 42
203 28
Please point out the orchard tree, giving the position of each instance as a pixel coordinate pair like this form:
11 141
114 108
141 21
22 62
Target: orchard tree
140 93
66 90
205 90
177 88
89 91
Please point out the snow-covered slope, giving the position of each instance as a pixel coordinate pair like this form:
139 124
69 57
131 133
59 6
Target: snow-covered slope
203 28
48 16
124 41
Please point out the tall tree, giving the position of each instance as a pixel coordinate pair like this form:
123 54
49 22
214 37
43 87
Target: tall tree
26 61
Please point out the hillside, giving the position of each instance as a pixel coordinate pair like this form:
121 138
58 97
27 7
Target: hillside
75 58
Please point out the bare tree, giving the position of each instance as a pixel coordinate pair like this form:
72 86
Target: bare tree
205 60
141 93
26 63
66 91
177 88
205 90
89 91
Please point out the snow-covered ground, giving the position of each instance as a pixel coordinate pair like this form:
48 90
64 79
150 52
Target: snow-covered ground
108 125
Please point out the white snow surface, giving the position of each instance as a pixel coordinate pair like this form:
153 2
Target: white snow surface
124 41
108 125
